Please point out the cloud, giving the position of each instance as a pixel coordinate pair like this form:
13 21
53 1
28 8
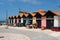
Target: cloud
10 4
31 1
26 1
11 0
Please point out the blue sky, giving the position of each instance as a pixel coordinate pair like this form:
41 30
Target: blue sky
12 6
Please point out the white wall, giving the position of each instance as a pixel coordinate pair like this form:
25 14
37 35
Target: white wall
21 20
56 21
59 21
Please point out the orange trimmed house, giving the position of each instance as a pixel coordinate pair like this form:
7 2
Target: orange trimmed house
45 19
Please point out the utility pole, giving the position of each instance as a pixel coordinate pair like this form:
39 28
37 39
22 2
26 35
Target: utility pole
6 19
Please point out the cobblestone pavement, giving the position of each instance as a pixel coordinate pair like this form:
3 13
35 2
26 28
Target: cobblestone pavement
15 34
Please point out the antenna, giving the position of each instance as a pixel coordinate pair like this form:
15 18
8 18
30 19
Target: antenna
6 14
20 10
26 8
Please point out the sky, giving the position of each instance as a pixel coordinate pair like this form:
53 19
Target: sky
11 7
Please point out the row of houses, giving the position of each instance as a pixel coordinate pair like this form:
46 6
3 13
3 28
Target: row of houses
48 19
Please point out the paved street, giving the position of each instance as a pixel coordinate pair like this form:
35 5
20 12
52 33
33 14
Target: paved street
15 34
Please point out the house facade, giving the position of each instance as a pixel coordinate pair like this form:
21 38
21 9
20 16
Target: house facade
45 19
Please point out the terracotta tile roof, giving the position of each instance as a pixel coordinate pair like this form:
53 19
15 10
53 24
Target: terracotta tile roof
55 12
33 13
21 11
11 16
42 12
17 16
26 14
21 14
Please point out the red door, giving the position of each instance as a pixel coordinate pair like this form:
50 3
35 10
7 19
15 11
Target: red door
43 22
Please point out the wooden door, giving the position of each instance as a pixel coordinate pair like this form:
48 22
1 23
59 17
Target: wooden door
50 23
34 20
43 22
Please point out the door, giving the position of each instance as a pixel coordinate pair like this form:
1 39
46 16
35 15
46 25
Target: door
27 21
43 22
50 23
39 23
34 20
